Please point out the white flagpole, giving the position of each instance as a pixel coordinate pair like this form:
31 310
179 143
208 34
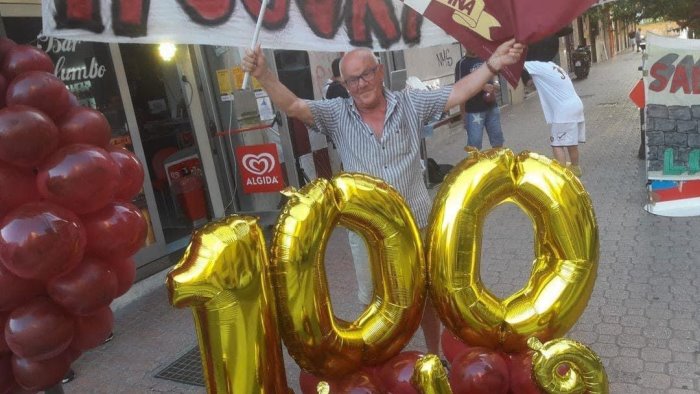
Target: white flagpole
258 26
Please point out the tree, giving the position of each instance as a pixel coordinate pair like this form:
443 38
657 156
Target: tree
686 13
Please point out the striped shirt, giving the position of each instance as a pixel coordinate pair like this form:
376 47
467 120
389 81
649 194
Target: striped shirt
395 158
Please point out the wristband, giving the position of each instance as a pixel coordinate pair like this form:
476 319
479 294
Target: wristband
491 68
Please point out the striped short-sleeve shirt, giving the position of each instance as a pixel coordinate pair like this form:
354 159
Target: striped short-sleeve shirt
395 157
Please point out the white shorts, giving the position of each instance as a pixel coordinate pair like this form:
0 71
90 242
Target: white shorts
568 134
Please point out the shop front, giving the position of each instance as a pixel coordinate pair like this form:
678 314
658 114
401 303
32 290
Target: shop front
209 147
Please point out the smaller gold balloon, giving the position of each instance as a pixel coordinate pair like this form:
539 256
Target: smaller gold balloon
585 374
429 376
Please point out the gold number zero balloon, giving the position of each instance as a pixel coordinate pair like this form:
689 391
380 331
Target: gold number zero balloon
320 342
586 373
222 277
566 249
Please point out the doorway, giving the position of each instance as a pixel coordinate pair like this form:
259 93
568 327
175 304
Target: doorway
161 98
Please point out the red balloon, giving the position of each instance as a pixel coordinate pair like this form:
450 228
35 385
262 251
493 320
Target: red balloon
91 331
85 289
395 374
22 58
39 330
16 291
5 45
3 90
479 371
72 100
27 136
7 381
131 170
80 177
73 353
40 375
451 345
125 272
84 125
360 382
115 232
520 368
41 90
4 349
18 187
40 240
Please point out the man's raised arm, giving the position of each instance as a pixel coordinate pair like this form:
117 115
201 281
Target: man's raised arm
506 54
255 63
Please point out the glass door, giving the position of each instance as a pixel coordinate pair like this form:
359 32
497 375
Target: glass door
162 97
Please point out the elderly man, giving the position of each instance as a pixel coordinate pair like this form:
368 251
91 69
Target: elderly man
378 132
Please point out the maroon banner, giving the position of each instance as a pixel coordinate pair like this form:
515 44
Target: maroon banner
482 25
260 168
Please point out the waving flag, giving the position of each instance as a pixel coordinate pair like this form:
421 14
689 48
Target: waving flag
482 25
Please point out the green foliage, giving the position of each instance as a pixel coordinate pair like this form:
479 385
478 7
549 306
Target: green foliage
684 12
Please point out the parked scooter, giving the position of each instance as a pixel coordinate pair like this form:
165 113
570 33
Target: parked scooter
581 57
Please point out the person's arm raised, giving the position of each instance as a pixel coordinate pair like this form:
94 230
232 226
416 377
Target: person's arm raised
254 62
506 54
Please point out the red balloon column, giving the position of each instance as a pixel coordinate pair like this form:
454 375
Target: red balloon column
67 227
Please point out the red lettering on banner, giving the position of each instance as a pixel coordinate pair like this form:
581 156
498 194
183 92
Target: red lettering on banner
276 15
412 22
681 78
322 16
130 17
662 71
208 12
79 14
696 78
463 5
361 16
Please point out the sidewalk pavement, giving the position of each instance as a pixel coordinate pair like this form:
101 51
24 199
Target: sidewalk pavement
643 317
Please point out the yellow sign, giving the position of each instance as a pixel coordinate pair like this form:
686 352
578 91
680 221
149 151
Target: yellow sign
471 14
238 74
224 79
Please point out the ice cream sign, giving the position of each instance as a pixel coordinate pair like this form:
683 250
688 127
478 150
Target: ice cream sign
260 168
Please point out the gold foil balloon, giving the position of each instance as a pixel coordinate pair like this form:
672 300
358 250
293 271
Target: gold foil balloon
586 373
222 277
320 342
429 376
566 249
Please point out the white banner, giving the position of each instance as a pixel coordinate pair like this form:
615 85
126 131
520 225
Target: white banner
313 25
673 71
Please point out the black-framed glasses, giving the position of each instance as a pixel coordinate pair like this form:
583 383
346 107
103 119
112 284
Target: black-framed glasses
367 76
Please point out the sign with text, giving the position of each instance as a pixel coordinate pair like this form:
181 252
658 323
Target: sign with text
260 168
673 126
321 25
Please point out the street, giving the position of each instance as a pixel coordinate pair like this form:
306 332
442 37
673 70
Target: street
642 319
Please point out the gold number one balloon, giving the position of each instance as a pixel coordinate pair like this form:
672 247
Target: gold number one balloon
222 277
319 341
566 249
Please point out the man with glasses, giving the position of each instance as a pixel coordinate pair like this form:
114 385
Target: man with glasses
378 132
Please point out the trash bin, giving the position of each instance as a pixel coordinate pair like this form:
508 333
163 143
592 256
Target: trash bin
190 194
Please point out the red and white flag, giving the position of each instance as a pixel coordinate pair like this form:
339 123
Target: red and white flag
482 25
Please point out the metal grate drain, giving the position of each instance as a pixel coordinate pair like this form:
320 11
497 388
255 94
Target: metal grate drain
187 369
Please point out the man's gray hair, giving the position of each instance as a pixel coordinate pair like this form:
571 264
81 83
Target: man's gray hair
362 52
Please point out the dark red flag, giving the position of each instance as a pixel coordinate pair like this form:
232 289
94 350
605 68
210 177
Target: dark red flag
482 25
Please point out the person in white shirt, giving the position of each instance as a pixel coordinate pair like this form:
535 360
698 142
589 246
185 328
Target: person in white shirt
563 110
